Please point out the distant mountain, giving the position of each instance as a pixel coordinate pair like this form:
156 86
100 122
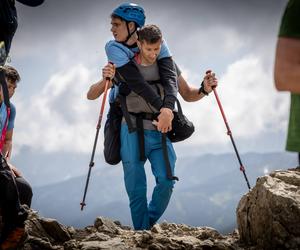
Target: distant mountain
42 168
207 194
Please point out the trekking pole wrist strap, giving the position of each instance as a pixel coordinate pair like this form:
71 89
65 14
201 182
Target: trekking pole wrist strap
202 90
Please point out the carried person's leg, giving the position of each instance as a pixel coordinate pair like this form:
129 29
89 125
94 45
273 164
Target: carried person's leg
163 190
135 178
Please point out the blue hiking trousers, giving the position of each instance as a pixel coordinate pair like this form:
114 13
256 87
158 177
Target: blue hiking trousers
144 216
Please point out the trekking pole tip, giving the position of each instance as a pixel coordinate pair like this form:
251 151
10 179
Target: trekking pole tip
82 205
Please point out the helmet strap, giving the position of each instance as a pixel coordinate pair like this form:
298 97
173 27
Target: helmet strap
129 33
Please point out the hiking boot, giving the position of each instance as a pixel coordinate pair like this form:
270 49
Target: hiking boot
14 239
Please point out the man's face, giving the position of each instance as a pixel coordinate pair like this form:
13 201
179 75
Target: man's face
11 85
149 52
119 29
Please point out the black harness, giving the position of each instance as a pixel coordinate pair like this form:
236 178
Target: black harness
139 128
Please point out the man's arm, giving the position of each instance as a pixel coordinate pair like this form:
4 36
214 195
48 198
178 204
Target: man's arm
168 79
7 147
121 56
168 75
190 93
287 65
137 84
98 88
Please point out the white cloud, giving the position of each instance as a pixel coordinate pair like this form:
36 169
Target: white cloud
251 104
220 199
60 118
214 44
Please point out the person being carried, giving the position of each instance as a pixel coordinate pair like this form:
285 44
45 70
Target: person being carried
125 20
287 69
13 229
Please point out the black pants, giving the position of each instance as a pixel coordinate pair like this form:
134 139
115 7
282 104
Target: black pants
8 203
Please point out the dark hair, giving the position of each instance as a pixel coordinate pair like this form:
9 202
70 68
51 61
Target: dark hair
116 16
11 73
150 34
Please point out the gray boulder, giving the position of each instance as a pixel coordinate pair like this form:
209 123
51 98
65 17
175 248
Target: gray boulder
269 215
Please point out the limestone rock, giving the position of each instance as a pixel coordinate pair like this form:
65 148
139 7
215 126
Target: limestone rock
269 215
48 234
106 225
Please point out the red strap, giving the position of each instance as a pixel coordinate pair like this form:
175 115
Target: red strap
137 58
3 134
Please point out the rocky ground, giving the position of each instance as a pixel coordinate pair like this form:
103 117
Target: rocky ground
105 234
268 217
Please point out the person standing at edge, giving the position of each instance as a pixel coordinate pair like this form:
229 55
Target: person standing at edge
287 69
13 229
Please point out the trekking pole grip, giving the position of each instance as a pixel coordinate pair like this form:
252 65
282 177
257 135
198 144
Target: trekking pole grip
208 72
108 78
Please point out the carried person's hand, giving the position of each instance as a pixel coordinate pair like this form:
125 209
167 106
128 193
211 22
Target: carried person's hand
210 81
108 71
164 120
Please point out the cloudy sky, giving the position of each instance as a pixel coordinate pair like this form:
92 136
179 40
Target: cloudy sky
59 51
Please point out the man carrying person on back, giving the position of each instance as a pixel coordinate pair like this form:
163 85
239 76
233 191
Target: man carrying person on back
144 216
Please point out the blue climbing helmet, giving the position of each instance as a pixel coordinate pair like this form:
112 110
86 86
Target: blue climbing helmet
131 12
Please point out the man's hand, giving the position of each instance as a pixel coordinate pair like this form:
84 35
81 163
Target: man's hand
98 88
210 81
164 123
109 71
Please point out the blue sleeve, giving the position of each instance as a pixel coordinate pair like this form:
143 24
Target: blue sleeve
164 51
117 53
11 121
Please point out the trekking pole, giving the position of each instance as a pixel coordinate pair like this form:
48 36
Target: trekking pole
107 80
242 168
